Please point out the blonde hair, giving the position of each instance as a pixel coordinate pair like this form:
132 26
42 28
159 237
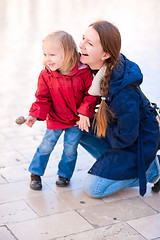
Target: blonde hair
68 47
110 39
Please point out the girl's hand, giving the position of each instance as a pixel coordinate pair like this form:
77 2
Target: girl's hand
30 121
84 123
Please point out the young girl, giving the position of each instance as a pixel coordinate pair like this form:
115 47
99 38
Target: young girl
62 100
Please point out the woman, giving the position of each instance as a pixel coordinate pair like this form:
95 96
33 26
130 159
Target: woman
125 134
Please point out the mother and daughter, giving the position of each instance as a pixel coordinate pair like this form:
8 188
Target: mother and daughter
122 134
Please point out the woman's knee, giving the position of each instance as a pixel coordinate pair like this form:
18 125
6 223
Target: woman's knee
93 187
98 187
91 191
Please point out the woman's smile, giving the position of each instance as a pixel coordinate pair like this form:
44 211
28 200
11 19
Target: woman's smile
91 49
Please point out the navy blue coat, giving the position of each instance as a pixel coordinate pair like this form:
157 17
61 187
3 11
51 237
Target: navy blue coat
134 135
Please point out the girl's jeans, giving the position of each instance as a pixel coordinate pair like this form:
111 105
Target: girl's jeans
67 163
98 187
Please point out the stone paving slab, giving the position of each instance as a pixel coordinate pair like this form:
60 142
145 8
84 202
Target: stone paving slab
118 211
17 191
15 212
5 234
148 226
12 158
119 231
152 199
50 227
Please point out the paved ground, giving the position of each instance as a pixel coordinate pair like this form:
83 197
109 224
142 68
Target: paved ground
56 213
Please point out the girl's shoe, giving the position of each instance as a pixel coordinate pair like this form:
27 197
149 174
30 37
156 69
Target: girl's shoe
62 181
35 183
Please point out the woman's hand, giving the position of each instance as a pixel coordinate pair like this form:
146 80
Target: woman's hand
30 121
83 123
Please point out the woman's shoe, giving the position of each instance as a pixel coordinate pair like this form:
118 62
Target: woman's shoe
62 181
156 187
35 183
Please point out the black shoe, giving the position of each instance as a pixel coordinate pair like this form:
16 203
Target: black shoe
62 181
156 187
35 183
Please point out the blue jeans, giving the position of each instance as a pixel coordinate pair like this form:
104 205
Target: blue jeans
98 187
67 163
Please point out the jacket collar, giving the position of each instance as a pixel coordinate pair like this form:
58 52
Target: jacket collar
57 74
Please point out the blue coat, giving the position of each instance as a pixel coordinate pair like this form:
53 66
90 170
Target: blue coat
134 135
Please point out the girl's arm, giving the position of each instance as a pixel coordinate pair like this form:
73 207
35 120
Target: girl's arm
41 106
30 121
83 123
87 107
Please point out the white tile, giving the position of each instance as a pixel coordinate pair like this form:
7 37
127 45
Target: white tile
76 182
5 234
123 194
15 212
15 173
50 227
20 131
152 199
47 204
77 199
149 226
116 211
20 190
12 158
24 142
2 180
119 231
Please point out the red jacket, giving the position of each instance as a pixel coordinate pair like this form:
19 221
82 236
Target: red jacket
60 98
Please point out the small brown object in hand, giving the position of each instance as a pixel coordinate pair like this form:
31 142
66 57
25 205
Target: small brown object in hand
20 120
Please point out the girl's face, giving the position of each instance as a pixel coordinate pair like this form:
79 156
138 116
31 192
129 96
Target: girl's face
91 49
53 56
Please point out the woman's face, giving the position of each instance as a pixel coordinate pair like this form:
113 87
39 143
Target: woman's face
91 49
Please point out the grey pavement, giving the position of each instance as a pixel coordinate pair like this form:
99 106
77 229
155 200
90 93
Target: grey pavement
67 213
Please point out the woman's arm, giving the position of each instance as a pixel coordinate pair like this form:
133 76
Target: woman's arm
124 131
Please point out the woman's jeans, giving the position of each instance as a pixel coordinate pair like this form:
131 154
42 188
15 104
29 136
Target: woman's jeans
67 163
98 187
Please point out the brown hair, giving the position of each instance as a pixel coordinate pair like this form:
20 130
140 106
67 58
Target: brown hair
111 43
68 46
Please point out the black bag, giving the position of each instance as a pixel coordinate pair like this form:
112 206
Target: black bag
156 112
